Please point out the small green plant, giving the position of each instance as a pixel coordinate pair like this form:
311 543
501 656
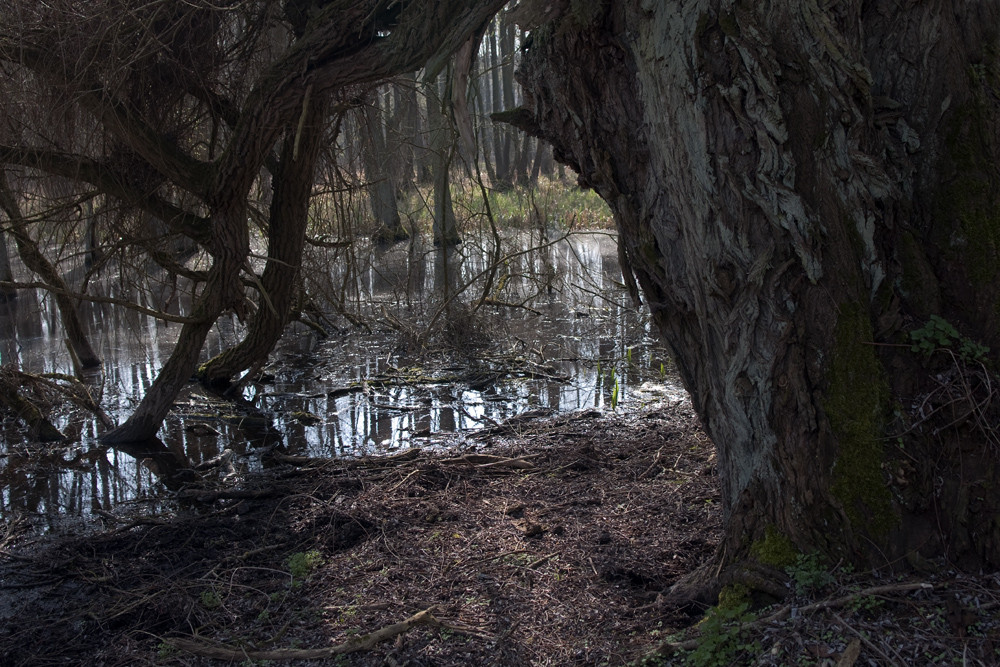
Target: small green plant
938 333
865 603
210 600
348 614
724 638
302 563
165 651
663 370
809 573
614 394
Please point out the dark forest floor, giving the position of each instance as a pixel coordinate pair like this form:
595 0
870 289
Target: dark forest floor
544 542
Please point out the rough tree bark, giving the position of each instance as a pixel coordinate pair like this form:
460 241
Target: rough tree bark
798 185
287 223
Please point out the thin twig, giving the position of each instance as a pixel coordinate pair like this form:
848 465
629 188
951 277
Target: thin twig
354 644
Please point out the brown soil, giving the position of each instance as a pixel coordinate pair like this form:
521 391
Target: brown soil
544 542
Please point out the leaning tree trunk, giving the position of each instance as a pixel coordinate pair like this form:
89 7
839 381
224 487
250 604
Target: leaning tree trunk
288 220
221 291
796 189
77 342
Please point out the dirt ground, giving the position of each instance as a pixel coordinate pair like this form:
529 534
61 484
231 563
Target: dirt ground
542 542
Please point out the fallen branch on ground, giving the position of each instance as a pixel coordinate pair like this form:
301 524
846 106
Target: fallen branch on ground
489 460
358 643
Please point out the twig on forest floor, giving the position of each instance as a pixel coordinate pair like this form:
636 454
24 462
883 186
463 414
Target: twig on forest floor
867 642
846 599
402 481
491 461
357 643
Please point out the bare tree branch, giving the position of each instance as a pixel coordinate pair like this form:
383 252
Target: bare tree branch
112 182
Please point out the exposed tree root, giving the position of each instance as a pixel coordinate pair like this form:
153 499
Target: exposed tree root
39 427
670 648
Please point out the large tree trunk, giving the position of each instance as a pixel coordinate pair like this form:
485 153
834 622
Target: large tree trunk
381 185
288 220
796 189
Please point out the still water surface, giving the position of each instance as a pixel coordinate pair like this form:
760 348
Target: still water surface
568 338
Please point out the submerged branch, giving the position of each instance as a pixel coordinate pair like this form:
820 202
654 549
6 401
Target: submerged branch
39 426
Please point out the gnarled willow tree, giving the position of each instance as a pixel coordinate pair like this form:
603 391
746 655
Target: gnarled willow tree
806 193
799 186
176 108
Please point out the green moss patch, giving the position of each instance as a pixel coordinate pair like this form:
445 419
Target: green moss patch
855 403
968 195
775 549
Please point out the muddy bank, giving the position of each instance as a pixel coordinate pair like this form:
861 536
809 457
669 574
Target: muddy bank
540 542
546 544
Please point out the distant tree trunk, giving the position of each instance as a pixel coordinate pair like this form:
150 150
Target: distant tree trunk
501 136
403 131
484 125
94 255
76 336
443 140
287 223
796 189
543 159
521 174
423 156
381 187
7 292
505 64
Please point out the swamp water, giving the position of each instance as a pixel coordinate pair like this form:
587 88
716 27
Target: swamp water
558 333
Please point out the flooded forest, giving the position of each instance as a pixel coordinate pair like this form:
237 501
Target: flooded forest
453 277
353 333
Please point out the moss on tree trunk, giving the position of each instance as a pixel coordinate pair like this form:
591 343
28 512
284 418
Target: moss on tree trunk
777 172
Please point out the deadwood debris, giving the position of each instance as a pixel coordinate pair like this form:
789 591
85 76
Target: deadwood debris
545 544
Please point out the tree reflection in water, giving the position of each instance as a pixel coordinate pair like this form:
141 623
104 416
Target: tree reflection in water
565 334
